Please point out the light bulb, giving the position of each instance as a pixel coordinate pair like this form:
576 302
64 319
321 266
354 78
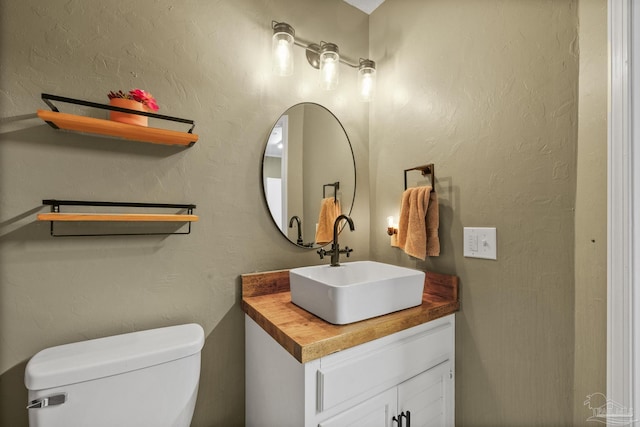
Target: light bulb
283 58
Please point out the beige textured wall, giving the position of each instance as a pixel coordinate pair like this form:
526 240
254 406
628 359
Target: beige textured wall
488 90
591 210
208 61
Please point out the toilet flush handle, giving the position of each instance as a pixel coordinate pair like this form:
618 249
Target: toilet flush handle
43 402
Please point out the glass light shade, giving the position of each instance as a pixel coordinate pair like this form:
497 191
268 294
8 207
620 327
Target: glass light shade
366 79
282 49
329 62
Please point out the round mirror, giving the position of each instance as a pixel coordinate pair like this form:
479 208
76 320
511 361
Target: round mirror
307 159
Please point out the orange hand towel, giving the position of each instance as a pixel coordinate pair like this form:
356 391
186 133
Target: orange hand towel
433 222
329 211
403 221
412 227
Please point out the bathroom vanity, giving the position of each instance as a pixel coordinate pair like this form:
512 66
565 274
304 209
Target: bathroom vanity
391 370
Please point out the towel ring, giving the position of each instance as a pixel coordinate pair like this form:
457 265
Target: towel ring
425 170
336 187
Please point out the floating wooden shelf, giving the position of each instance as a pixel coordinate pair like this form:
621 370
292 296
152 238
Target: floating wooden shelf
91 125
56 216
122 130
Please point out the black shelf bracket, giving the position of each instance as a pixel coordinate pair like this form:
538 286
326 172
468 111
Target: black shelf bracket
55 208
48 98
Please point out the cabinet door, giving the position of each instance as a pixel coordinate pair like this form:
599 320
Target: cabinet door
429 397
375 412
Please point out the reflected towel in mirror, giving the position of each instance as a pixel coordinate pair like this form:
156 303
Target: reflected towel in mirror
329 211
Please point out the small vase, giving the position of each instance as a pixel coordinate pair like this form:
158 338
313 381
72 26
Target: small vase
132 119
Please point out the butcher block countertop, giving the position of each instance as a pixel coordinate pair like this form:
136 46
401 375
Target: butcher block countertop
266 298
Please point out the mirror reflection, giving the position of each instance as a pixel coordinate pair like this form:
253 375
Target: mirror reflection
308 165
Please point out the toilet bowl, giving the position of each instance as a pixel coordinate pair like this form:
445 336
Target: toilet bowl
141 379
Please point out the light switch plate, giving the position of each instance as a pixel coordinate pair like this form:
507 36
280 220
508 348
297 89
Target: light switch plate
480 242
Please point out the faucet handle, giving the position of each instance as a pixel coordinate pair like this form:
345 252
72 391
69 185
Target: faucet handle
321 252
347 250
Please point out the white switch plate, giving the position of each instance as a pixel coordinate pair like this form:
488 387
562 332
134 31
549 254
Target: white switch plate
480 242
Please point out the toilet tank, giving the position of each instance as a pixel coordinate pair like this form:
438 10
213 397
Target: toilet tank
140 379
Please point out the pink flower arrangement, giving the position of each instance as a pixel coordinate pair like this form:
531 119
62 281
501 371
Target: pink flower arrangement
139 95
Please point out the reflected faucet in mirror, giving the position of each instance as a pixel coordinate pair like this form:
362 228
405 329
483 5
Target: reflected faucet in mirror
335 247
296 218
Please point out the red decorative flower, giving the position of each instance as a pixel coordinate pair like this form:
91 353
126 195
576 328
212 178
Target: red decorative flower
139 95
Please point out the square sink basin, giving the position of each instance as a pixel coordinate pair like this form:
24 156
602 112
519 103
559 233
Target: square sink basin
355 291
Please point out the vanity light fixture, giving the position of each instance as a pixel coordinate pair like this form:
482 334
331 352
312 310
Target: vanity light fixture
366 79
324 57
282 48
329 61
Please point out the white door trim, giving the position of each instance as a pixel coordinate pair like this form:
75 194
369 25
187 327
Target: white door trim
622 236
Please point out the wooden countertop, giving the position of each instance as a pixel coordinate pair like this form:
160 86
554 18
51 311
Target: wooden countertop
266 298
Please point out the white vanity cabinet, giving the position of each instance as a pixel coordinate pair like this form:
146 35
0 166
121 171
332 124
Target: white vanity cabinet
405 377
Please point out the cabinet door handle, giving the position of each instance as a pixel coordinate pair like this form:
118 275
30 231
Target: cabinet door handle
402 415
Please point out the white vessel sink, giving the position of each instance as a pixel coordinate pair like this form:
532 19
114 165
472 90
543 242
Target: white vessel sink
355 291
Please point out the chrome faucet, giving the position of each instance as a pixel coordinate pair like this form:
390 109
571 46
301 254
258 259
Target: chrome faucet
335 247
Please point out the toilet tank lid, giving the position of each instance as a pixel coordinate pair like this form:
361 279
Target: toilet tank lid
103 357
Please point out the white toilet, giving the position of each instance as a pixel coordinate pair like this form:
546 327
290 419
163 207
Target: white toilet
141 379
